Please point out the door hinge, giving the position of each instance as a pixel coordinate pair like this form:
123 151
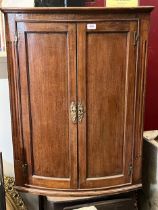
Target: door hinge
136 38
130 170
25 169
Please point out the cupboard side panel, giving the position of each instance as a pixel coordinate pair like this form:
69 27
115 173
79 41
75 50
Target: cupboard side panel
13 77
140 96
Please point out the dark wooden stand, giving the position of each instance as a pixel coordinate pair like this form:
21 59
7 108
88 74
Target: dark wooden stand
118 202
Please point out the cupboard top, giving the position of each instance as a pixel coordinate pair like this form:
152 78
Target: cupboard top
77 9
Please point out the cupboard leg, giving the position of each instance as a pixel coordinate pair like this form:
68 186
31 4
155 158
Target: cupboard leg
41 202
136 201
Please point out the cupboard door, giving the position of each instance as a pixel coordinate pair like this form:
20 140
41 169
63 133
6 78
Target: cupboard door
47 85
106 89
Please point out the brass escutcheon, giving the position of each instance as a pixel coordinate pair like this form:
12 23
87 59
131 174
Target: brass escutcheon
73 112
81 112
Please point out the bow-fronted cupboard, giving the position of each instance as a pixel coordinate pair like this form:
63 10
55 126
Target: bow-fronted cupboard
77 85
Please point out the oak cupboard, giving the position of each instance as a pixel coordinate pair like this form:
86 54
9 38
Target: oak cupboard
77 85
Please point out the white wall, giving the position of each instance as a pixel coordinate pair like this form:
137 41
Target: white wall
5 128
17 3
5 120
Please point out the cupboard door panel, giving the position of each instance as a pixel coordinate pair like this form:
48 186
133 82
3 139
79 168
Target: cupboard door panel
47 68
106 88
48 100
